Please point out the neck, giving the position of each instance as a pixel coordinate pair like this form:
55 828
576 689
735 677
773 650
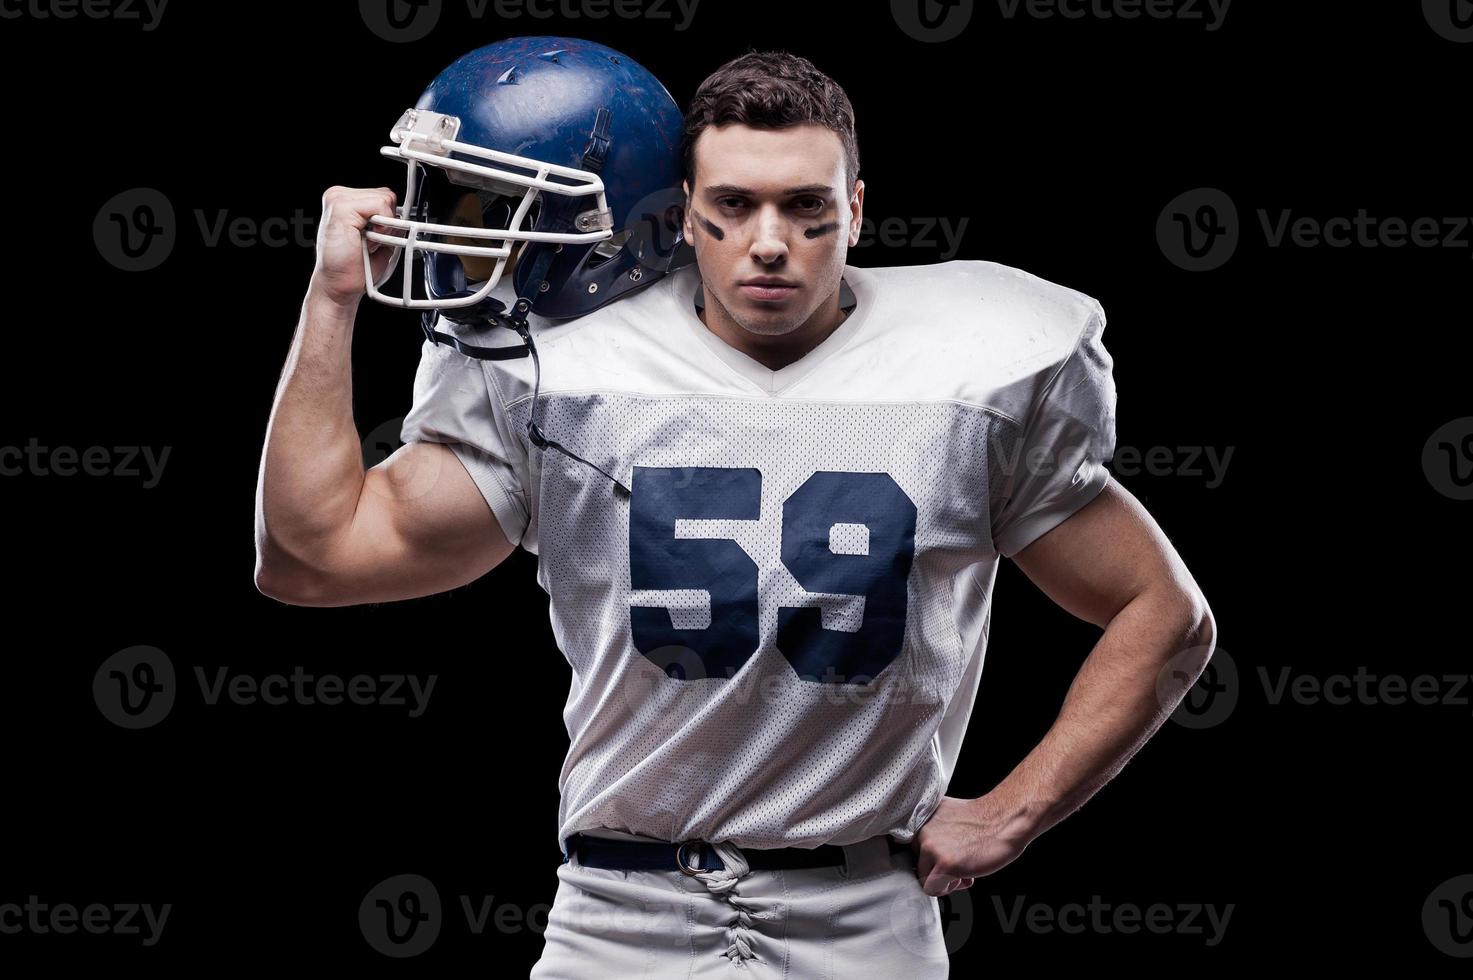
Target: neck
777 351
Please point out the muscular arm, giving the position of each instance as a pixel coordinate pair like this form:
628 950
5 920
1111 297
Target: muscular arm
329 533
1109 564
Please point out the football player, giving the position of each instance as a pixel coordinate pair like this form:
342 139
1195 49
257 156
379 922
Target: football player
768 493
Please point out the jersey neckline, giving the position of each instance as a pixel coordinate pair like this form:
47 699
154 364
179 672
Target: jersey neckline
682 292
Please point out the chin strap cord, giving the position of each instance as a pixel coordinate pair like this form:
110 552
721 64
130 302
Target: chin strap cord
535 432
534 428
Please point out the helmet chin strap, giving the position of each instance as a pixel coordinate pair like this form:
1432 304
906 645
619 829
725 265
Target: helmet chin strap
515 319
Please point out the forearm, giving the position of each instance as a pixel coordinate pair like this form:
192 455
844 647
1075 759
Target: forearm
311 472
1112 708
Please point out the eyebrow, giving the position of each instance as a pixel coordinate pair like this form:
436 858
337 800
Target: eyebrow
748 192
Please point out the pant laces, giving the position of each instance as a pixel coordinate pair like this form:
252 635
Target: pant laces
723 883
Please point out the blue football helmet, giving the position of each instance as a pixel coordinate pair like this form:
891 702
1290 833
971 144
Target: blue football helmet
561 147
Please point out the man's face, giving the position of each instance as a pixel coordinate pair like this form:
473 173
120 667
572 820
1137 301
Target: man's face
771 205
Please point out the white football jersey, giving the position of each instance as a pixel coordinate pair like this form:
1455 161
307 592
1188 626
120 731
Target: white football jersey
776 636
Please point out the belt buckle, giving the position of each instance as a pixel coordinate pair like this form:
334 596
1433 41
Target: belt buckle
680 862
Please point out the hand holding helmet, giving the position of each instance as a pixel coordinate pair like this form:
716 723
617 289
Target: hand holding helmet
340 271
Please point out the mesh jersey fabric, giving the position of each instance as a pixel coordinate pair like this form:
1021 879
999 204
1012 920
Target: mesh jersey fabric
777 638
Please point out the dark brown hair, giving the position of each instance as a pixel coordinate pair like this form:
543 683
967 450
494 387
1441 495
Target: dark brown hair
771 90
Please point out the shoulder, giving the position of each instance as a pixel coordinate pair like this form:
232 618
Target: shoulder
993 333
610 347
634 312
977 295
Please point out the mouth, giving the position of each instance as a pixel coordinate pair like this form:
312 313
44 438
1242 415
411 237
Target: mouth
768 290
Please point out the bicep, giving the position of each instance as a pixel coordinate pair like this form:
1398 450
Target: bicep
422 527
1103 556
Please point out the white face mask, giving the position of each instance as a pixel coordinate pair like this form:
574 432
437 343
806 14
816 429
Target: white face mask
424 138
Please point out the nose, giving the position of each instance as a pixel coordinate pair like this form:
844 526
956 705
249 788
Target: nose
770 243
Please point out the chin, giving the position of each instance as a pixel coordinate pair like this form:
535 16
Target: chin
767 323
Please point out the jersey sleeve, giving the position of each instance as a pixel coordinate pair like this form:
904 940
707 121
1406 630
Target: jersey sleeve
1059 465
458 404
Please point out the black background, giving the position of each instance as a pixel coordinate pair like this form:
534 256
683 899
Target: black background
1325 549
